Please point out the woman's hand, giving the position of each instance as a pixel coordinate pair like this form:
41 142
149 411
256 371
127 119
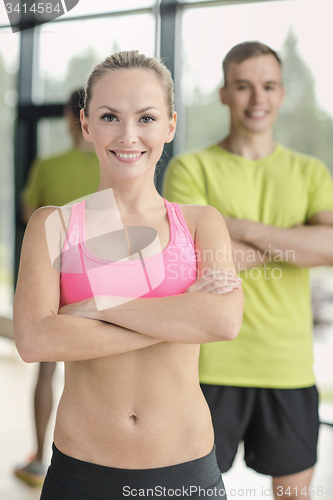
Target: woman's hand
217 281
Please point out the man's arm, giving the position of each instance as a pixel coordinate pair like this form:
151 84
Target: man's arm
246 256
302 245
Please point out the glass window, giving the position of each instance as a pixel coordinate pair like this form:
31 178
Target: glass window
85 7
307 128
9 46
3 15
69 50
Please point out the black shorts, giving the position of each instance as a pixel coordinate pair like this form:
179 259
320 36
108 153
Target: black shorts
279 427
71 479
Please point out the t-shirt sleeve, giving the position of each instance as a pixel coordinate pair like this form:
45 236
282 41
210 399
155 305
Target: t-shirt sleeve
31 194
184 181
321 190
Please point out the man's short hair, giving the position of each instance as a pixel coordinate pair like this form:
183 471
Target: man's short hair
246 50
75 102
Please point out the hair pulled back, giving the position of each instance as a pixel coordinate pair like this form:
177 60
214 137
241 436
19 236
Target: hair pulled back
131 60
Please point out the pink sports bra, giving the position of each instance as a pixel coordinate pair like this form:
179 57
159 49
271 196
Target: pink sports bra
84 275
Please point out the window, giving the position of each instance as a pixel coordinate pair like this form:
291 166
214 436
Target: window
8 98
86 7
69 50
3 16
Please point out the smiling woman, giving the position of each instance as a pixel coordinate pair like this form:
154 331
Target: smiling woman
132 414
131 128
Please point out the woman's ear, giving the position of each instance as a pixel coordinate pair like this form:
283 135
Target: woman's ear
172 128
84 126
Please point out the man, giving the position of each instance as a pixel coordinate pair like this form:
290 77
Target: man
278 207
57 180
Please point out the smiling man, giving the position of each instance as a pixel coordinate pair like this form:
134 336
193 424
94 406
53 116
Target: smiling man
278 206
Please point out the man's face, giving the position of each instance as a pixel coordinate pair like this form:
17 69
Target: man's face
254 93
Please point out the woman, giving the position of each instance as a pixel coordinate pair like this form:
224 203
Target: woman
132 420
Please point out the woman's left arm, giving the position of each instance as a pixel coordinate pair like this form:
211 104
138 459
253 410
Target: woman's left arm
189 318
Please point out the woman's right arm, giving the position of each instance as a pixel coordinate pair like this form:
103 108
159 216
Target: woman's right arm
41 334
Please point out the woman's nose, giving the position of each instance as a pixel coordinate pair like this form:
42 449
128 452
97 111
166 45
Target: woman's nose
128 135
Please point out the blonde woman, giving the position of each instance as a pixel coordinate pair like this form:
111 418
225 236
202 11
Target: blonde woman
132 420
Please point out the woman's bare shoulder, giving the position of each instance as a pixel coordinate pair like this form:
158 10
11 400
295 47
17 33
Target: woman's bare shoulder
51 215
198 210
47 225
198 215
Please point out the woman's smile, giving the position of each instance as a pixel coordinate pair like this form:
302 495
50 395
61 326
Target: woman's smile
127 156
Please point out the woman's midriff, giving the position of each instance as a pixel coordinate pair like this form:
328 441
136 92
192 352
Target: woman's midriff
142 409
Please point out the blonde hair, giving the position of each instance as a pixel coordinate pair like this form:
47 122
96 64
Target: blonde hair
131 60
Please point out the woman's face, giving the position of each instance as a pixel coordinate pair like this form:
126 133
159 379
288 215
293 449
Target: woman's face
128 122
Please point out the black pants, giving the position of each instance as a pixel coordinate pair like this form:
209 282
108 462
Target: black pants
71 479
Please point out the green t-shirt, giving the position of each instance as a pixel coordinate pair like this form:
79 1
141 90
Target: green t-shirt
274 346
60 179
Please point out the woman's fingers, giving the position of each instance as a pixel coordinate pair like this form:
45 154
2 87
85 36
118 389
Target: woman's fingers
218 278
213 279
216 284
222 291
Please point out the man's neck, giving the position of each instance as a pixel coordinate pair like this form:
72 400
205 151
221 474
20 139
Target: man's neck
250 146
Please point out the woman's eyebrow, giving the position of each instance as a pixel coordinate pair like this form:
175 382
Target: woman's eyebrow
146 109
113 110
108 107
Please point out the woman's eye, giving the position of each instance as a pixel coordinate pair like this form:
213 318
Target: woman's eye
147 119
108 117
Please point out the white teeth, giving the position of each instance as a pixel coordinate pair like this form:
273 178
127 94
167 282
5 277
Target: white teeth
128 156
257 113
